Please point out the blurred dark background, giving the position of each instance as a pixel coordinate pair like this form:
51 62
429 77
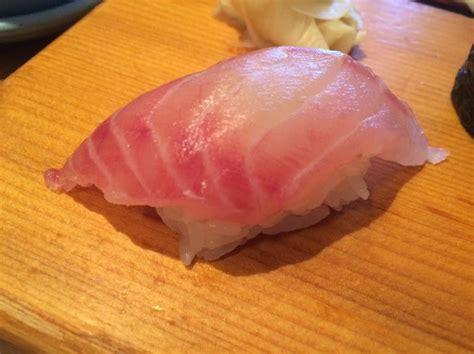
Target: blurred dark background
27 26
14 55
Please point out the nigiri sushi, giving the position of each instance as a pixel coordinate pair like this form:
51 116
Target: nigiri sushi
265 142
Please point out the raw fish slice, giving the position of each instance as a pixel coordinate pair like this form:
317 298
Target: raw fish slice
253 144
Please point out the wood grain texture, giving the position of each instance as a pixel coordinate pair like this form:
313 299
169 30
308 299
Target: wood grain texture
394 273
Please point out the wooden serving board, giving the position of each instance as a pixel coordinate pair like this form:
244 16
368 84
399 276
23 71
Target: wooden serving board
394 273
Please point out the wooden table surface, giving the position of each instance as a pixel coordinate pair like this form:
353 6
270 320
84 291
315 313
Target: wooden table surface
394 273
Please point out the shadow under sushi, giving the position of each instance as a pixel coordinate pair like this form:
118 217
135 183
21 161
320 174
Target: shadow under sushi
139 223
264 253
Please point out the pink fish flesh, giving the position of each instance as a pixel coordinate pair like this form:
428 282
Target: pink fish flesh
257 141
